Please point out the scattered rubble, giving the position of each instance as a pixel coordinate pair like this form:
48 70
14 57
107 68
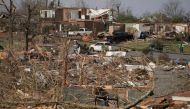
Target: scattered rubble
70 73
116 53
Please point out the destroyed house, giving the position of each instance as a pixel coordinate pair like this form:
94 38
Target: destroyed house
73 18
59 17
76 14
100 14
66 14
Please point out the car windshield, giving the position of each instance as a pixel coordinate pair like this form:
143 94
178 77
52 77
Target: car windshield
107 43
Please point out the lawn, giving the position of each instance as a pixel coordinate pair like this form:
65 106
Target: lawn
174 48
140 45
169 46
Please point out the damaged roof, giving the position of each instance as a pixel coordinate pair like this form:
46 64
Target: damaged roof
97 13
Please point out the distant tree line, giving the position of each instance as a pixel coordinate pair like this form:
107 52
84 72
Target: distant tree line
171 12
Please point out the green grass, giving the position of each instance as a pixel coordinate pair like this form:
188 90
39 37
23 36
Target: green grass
134 45
174 48
169 46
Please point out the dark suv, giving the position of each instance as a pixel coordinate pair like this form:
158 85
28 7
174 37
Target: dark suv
120 37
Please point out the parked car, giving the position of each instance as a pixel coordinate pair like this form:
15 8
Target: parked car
80 32
120 37
144 35
102 46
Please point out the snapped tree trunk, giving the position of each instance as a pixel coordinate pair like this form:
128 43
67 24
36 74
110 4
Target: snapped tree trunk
11 24
11 31
28 22
27 40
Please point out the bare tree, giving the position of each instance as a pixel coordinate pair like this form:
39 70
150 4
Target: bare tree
114 5
81 3
11 10
30 11
65 57
187 16
129 11
173 8
126 16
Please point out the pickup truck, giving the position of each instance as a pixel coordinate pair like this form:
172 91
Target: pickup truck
102 46
80 32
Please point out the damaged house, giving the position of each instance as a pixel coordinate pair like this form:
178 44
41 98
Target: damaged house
138 28
72 18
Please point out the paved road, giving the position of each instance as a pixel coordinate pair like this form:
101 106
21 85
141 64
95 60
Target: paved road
156 54
168 82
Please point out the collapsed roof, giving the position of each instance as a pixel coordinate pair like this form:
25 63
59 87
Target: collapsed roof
98 13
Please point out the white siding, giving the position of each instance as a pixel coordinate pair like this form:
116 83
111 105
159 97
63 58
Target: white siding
47 13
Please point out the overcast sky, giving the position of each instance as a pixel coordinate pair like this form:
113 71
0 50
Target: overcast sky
138 6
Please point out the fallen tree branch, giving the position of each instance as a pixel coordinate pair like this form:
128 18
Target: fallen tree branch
139 100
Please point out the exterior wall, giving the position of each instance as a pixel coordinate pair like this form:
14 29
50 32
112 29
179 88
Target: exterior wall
81 24
95 26
181 28
92 25
138 26
73 14
47 14
72 18
59 15
116 27
178 27
70 14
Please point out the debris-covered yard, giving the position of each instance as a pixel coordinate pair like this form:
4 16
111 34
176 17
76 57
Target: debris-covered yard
55 56
62 72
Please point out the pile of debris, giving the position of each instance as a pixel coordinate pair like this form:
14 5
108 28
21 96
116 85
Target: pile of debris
178 100
40 75
139 76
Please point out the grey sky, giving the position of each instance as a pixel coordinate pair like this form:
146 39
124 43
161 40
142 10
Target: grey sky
138 6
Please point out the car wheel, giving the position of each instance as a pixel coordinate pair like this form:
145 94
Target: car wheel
91 49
